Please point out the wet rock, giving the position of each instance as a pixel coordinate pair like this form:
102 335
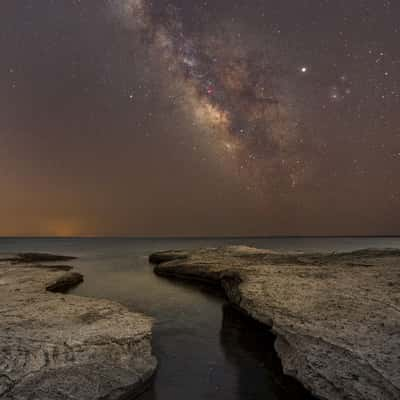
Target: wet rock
163 256
65 347
336 316
65 282
27 258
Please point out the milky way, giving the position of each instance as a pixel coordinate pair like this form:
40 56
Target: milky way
199 117
236 92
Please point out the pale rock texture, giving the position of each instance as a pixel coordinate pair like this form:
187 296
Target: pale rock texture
64 347
336 316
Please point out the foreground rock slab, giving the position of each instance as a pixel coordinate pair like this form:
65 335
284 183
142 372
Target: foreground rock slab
64 347
336 316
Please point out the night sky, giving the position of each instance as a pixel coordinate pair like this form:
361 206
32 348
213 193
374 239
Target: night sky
184 117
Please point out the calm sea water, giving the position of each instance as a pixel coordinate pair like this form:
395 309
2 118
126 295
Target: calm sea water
205 349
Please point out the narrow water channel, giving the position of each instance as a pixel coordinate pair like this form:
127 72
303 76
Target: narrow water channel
205 349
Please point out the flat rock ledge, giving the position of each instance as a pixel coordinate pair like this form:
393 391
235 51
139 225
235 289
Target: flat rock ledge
336 316
64 347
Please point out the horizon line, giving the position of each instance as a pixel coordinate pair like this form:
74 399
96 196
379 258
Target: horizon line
197 237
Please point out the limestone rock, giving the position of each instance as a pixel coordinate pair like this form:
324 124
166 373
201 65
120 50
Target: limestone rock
163 256
65 282
65 347
336 316
33 258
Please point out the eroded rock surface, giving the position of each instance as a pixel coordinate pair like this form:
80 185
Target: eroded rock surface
65 347
336 316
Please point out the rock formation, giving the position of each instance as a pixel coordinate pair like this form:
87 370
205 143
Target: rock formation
64 347
336 316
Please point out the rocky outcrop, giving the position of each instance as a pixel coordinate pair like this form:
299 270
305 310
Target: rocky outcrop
163 256
336 316
22 258
63 347
65 282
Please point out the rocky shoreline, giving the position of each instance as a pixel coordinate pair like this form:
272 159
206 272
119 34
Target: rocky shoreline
63 347
336 316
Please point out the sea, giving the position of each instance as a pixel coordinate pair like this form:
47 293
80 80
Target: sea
205 348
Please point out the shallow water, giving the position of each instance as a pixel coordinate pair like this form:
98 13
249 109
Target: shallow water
205 349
